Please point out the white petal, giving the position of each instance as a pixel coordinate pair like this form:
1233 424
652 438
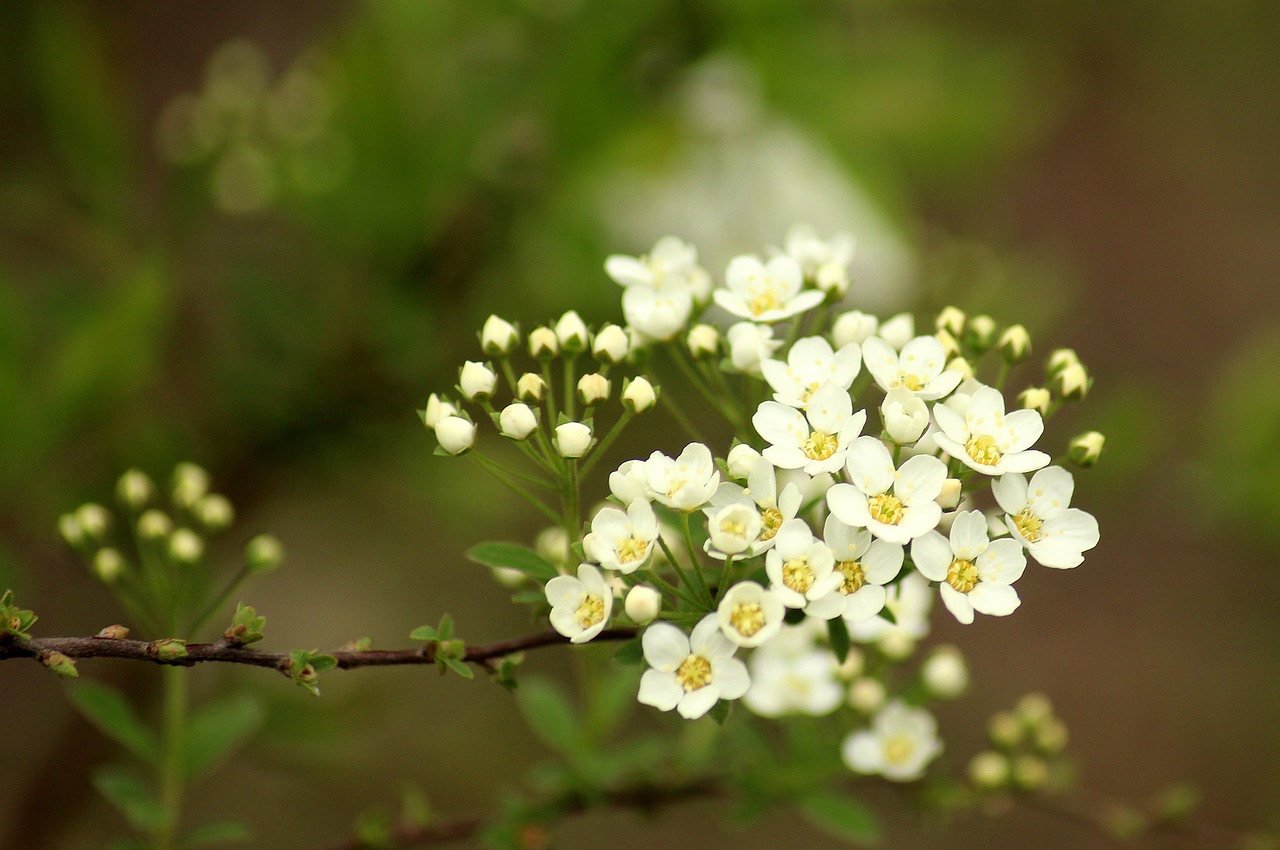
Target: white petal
1018 462
870 468
951 423
697 703
562 590
849 505
660 690
627 271
731 675
931 553
883 562
918 518
1011 492
665 647
920 479
1050 491
862 752
779 424
957 603
881 361
565 621
969 535
1002 563
998 600
865 603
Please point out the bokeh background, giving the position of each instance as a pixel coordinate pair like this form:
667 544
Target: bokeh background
257 234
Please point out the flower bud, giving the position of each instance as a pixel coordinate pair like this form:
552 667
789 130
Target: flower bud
1060 359
610 345
951 320
961 365
476 380
214 512
135 489
741 459
904 414
853 326
1050 736
1015 343
949 496
517 421
71 530
1073 382
530 387
553 545
263 553
169 649
629 482
989 770
190 482
1035 398
1033 709
1085 449
749 344
185 546
113 632
507 577
1030 772
572 439
703 341
638 395
437 408
543 344
1005 729
455 434
944 673
643 604
571 333
866 695
498 336
898 330
852 666
734 528
832 278
950 346
153 525
981 333
107 565
57 662
94 520
593 388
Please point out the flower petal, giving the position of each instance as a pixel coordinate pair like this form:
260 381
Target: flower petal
665 647
932 555
660 690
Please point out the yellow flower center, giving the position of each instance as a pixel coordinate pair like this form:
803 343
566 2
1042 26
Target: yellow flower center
733 527
983 450
854 577
915 383
631 549
590 611
886 508
694 672
798 575
809 391
898 749
962 575
820 445
1028 524
763 302
747 618
771 520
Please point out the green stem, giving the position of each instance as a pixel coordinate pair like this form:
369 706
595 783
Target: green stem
678 414
708 395
680 574
600 448
668 587
570 388
724 578
515 473
572 521
686 527
212 608
514 486
171 778
549 395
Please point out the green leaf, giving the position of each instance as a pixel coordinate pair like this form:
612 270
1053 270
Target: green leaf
720 711
631 652
842 817
513 557
216 730
124 790
107 709
246 626
323 662
550 715
423 633
613 696
838 634
460 667
219 832
444 630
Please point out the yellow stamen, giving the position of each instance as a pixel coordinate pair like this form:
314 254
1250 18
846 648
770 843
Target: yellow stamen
963 575
632 549
798 575
820 445
854 577
771 519
590 611
694 672
1028 524
763 302
886 508
983 450
747 618
898 749
912 382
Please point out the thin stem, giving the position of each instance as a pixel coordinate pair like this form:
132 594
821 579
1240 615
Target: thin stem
682 362
668 587
515 473
515 487
241 576
686 527
570 388
724 578
549 394
682 420
171 778
604 444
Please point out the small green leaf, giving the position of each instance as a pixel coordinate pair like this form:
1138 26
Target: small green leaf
460 667
720 711
423 633
842 817
216 730
838 634
323 663
794 616
124 790
513 557
107 709
886 613
631 652
444 630
14 621
529 597
219 832
550 714
246 626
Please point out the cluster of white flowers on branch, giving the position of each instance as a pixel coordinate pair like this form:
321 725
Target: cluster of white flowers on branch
873 467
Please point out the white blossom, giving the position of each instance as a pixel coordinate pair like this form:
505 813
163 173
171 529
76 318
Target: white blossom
801 569
643 604
1039 515
690 674
899 745
865 565
610 344
920 367
593 387
638 395
685 483
580 607
792 675
944 673
622 540
904 414
749 345
498 336
731 530
987 439
571 332
761 495
898 330
749 615
659 288
815 440
741 459
517 421
629 482
897 505
974 572
853 327
437 408
765 292
909 601
811 364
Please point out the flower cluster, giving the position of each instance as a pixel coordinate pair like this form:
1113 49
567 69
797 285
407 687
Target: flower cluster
875 467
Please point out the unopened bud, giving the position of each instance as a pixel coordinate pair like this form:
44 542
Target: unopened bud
610 345
153 525
553 545
898 330
833 279
214 512
703 341
867 695
981 333
1034 709
94 520
437 408
904 415
949 496
1060 359
455 434
643 604
945 674
638 395
961 365
951 320
135 489
71 530
571 333
853 326
507 577
1050 736
476 380
742 458
593 387
169 649
1035 398
517 421
530 387
114 632
1073 382
190 482
1030 772
572 439
107 566
543 344
185 546
989 770
1006 729
1015 343
1085 449
950 345
498 336
59 664
263 553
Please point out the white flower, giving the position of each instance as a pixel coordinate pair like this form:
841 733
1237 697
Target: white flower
593 387
610 344
455 434
898 330
571 332
897 505
690 674
810 364
760 495
974 572
517 421
1039 516
657 314
622 540
732 529
685 483
853 327
909 601
572 439
790 675
638 395
920 368
437 408
476 380
749 345
899 745
986 439
816 440
904 414
804 246
703 341
865 566
801 569
866 694
643 604
741 459
944 673
749 615
765 292
672 262
629 482
580 606
498 336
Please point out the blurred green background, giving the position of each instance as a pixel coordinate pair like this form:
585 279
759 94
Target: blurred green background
257 234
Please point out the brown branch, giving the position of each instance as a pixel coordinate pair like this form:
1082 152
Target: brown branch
229 653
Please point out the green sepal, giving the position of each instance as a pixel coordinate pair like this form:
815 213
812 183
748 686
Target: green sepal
246 626
720 711
838 635
14 621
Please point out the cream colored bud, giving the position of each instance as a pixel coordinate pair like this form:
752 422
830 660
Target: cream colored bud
154 525
263 553
1073 382
852 666
135 489
832 278
898 644
1030 772
866 695
190 482
572 439
610 345
437 408
94 520
1060 359
989 770
703 341
1035 398
71 530
107 565
476 380
944 673
898 330
185 546
530 387
1050 736
949 496
1015 343
553 545
1085 449
853 326
741 460
593 388
749 344
543 344
904 414
214 512
961 365
951 320
1034 709
981 333
517 421
950 346
1006 729
571 332
643 604
455 434
638 395
498 336
507 577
